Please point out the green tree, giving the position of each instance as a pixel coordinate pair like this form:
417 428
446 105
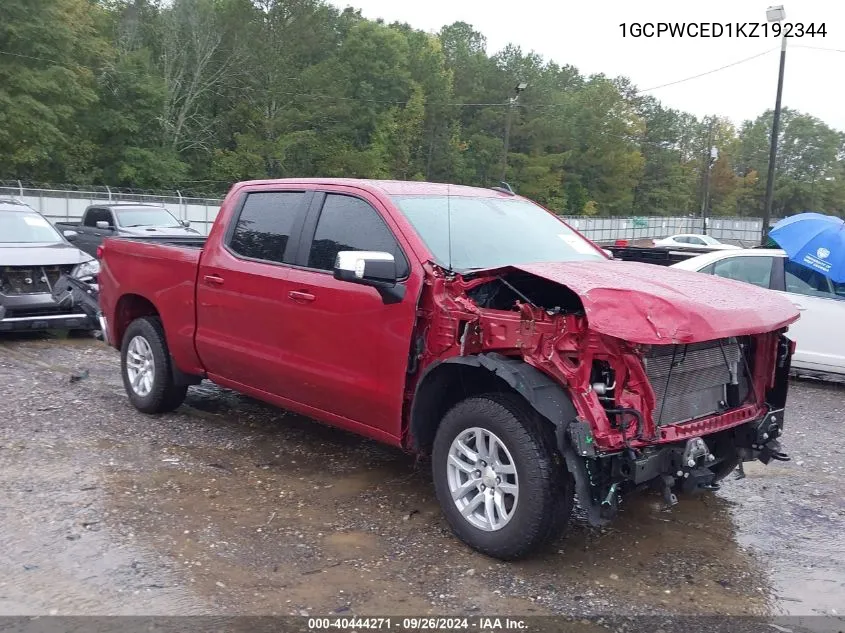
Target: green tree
809 161
47 52
196 94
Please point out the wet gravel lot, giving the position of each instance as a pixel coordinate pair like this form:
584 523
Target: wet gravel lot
228 506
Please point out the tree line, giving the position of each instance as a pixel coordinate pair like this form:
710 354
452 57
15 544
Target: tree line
197 94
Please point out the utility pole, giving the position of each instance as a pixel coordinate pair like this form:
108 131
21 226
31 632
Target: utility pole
511 103
774 14
709 157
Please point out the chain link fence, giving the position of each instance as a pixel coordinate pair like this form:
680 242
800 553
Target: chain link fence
60 203
742 231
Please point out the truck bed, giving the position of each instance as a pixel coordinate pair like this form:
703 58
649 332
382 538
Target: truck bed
89 238
660 255
188 241
164 272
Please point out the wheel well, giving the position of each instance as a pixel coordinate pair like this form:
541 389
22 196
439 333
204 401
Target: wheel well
447 384
129 308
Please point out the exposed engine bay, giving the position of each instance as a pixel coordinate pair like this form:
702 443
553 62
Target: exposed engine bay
675 409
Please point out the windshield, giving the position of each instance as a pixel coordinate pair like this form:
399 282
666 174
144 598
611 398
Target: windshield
492 232
141 216
20 227
709 240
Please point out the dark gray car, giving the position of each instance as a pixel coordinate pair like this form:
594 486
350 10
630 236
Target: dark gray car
34 257
124 219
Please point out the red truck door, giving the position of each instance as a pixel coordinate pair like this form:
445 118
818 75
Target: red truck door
350 349
242 290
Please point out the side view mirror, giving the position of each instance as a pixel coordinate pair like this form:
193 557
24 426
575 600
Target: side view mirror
102 224
70 235
370 268
185 223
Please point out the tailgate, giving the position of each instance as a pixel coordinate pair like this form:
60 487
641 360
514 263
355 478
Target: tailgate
140 277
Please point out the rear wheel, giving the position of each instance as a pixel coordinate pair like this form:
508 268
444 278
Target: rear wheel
145 366
502 487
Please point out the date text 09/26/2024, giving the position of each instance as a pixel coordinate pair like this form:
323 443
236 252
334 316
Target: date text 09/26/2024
426 623
722 29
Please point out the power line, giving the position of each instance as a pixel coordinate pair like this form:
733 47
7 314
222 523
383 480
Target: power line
38 59
819 48
709 72
387 102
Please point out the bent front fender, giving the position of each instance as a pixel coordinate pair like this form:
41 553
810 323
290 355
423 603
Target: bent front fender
547 398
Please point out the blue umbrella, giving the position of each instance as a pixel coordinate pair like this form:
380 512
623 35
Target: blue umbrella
814 240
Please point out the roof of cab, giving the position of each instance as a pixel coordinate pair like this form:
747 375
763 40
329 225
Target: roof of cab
393 187
13 204
116 204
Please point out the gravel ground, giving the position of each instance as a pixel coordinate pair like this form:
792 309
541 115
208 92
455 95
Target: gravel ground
228 506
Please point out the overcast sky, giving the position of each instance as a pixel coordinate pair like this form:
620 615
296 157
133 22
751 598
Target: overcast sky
586 34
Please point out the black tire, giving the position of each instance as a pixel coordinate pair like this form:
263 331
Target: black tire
546 488
164 396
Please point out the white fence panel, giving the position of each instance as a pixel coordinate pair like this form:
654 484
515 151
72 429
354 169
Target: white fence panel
60 205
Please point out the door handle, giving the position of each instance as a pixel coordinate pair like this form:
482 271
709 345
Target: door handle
301 296
213 279
799 306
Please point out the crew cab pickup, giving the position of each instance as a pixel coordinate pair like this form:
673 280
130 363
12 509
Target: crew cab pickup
468 325
129 219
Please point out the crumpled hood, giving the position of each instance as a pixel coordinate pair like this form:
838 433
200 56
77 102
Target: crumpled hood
657 305
58 254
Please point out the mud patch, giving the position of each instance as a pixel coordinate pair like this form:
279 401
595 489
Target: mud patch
352 544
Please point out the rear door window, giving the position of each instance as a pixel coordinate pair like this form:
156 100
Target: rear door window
92 216
265 224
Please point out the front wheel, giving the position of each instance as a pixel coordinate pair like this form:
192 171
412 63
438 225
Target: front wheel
502 487
145 365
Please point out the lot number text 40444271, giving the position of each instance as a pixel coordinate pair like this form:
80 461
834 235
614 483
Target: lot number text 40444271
426 623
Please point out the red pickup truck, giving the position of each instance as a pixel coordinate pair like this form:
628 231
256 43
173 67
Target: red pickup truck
467 324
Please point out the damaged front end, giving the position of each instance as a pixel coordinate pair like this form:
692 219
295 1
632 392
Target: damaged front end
674 405
81 294
715 404
47 298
